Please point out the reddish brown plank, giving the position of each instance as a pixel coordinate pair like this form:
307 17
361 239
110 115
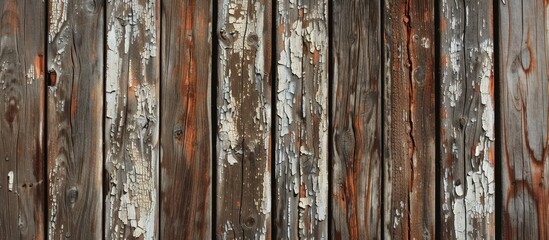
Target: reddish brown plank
409 119
75 118
186 194
22 105
131 120
524 104
356 120
243 141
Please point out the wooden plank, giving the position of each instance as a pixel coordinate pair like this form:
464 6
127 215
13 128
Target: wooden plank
131 120
302 120
409 120
524 99
22 105
186 195
356 120
244 119
467 189
75 117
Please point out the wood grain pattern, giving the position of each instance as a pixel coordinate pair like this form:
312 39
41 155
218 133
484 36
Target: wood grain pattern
356 120
22 105
186 195
301 157
75 116
467 120
409 120
244 119
524 104
131 120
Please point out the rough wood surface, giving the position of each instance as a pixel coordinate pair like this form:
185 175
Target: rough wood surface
356 120
409 120
186 196
244 119
301 157
131 120
22 105
467 184
75 118
524 104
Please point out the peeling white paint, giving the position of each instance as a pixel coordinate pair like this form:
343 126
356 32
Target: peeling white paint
10 180
131 162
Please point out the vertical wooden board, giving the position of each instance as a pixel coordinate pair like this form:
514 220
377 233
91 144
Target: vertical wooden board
409 178
301 151
356 120
467 189
524 114
22 105
244 119
75 117
186 195
131 120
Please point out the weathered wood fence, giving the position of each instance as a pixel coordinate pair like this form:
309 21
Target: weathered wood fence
255 119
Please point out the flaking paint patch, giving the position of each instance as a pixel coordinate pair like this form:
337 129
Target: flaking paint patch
10 180
302 45
58 18
132 154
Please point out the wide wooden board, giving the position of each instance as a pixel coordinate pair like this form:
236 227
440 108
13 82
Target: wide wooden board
356 120
22 106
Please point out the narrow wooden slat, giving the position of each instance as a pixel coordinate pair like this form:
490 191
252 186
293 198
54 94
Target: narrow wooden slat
356 120
467 184
301 151
409 120
131 120
186 194
524 101
244 119
75 117
22 105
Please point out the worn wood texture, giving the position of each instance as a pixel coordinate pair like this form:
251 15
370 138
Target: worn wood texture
467 184
356 120
244 119
524 104
22 105
75 56
409 154
186 195
301 157
131 120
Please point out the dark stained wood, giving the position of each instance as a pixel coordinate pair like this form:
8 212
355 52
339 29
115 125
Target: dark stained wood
244 119
302 120
22 105
186 194
75 118
131 120
409 199
524 104
356 120
467 184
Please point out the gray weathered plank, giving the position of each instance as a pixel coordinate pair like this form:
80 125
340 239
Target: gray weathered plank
75 116
524 104
301 150
244 119
409 149
131 120
186 192
356 120
22 105
467 189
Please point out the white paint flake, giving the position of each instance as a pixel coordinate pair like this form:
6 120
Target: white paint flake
10 181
